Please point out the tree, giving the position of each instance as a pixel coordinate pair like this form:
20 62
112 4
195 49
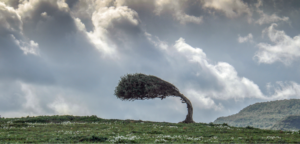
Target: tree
140 86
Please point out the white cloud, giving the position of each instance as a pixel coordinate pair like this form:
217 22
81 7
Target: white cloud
231 8
177 11
27 47
84 9
52 97
102 20
266 19
285 48
159 5
248 38
103 15
157 42
32 101
202 101
79 24
184 18
259 3
10 19
25 7
284 90
62 107
44 14
62 5
232 86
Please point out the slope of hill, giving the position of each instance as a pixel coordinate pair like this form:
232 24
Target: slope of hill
288 123
262 115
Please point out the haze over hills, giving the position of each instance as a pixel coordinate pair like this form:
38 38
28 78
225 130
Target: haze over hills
262 115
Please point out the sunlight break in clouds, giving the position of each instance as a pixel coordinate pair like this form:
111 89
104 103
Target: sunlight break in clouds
285 48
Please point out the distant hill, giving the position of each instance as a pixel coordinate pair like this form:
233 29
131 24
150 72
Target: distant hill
288 123
262 115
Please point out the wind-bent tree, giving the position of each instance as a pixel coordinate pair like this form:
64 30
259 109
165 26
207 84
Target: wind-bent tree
140 86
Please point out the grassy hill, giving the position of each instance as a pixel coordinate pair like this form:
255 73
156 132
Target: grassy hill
262 115
288 123
91 129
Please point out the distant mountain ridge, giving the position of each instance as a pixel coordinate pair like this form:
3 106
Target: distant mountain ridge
262 115
288 123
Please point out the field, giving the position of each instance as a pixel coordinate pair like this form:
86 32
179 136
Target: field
91 129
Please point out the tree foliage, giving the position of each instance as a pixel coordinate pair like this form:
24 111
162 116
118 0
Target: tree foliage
139 86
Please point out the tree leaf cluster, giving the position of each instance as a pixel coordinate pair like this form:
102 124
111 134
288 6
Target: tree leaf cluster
140 86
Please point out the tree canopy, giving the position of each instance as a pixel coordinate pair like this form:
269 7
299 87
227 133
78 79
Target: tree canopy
140 86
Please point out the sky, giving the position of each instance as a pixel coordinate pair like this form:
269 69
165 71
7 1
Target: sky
66 57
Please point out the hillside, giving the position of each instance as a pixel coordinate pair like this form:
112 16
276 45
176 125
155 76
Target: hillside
91 129
262 115
288 123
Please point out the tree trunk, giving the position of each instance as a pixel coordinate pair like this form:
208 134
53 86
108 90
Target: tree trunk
189 116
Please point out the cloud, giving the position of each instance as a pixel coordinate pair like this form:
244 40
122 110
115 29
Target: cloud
63 57
184 18
266 19
285 48
283 90
107 18
231 8
11 26
19 54
227 84
177 10
31 48
248 38
230 86
10 21
63 107
258 4
11 3
37 100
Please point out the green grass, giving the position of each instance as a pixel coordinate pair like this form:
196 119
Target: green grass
90 129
